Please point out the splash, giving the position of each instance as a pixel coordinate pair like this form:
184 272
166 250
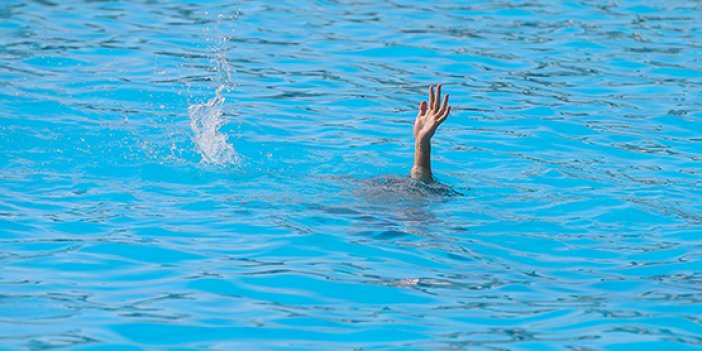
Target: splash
205 122
206 119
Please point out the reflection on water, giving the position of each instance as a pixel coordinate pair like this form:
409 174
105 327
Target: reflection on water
574 144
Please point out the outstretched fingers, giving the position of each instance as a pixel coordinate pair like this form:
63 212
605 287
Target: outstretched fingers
438 110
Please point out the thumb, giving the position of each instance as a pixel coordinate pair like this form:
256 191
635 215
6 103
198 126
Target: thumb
422 108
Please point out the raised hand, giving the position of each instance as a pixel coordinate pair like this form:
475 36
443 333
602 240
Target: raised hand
430 116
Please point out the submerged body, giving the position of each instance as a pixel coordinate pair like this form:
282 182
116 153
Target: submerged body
429 117
409 188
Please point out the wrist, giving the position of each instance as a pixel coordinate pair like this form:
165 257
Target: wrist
422 144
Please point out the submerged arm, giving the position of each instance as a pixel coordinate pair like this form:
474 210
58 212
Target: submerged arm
428 119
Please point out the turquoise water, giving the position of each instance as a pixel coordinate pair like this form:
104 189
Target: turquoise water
224 176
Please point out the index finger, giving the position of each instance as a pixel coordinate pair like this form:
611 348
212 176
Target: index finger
431 97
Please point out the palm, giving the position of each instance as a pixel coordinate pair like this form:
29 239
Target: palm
431 115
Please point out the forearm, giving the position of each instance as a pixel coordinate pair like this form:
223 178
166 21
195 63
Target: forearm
421 170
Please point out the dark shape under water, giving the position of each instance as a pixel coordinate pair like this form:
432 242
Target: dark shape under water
410 188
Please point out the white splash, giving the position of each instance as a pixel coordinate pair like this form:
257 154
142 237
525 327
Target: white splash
205 121
206 118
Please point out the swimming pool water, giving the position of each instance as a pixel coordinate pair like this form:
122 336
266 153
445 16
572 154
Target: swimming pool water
223 175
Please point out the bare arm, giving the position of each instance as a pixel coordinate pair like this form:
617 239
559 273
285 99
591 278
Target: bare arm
428 119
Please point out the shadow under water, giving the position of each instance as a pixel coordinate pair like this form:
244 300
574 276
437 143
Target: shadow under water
392 187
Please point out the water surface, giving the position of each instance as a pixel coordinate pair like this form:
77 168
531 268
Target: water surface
180 176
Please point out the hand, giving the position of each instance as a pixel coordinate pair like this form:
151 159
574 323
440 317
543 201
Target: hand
430 116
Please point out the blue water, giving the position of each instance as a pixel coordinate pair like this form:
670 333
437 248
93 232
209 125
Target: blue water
224 176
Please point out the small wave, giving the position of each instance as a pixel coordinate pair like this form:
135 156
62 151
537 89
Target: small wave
205 121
